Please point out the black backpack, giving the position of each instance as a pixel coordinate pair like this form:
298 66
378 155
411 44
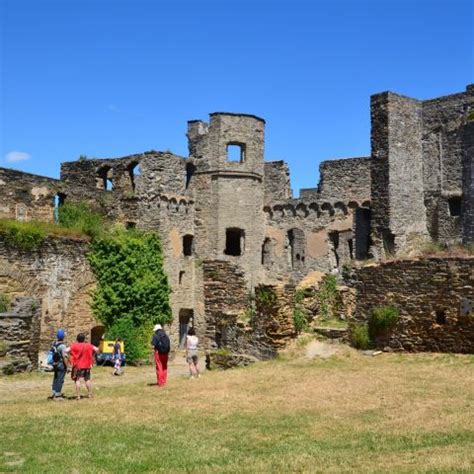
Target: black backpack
162 343
54 357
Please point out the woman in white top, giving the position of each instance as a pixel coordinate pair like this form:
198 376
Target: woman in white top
192 353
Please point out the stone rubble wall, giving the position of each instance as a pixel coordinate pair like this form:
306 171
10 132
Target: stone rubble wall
426 292
232 323
345 180
26 196
19 335
277 181
58 274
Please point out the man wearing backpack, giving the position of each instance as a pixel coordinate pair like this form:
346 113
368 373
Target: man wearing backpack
56 357
161 347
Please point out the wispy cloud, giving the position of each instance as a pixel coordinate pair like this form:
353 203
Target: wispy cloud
112 108
16 156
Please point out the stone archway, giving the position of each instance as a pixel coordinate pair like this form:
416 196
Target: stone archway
14 282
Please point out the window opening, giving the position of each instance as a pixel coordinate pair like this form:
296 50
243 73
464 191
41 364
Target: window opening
186 320
130 225
105 178
188 245
296 248
234 242
266 251
134 172
58 202
190 170
181 275
441 317
334 239
454 205
236 152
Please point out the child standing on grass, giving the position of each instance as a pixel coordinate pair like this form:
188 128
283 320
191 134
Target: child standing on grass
117 357
192 353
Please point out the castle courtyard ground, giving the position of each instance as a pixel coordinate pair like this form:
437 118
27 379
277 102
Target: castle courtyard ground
309 411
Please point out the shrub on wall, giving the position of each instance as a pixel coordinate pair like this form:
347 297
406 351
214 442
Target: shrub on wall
132 289
23 235
5 303
328 297
83 218
381 321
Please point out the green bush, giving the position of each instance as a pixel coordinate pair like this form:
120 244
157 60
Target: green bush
23 235
265 297
299 320
328 297
137 340
83 218
131 284
5 303
382 320
359 335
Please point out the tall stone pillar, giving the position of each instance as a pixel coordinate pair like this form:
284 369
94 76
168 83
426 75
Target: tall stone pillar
397 195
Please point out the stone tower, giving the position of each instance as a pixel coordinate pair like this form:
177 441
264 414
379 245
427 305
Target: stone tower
226 172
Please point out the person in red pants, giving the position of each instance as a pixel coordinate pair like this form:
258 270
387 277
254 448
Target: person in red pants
161 347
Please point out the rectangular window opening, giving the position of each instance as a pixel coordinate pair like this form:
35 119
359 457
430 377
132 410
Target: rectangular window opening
236 152
454 205
234 242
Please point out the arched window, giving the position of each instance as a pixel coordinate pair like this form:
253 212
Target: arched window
59 199
134 172
188 245
104 180
296 248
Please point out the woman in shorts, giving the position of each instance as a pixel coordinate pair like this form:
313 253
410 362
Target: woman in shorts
192 353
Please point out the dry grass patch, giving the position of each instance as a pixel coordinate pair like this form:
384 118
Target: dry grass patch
397 413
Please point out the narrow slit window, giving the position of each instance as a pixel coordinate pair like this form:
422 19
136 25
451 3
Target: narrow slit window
188 245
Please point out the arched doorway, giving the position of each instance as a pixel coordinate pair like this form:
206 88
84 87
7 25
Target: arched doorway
97 333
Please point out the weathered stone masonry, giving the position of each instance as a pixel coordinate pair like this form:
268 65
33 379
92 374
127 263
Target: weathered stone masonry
434 297
224 203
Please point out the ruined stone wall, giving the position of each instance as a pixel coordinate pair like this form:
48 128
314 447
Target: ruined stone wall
328 233
345 180
431 295
277 181
468 183
443 120
58 274
25 196
399 213
231 320
19 335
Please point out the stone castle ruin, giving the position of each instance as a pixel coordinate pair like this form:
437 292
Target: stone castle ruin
229 225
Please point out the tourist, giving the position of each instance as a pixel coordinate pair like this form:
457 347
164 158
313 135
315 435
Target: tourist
58 361
161 347
192 353
117 357
82 358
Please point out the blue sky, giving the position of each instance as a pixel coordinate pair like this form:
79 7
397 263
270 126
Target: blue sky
107 78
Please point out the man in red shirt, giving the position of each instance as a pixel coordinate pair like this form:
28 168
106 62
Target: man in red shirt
82 358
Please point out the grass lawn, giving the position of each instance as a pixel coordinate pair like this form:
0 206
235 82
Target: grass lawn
350 412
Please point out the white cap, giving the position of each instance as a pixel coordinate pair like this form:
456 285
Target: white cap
156 327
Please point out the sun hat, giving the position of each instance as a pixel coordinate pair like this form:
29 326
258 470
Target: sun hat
156 327
60 334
